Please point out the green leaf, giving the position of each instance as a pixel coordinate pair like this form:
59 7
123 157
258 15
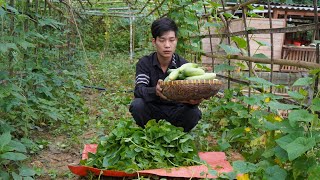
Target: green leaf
299 146
229 15
281 154
260 55
251 100
260 81
4 175
301 115
295 145
275 173
261 43
229 49
27 178
314 173
191 20
223 144
13 156
223 67
50 22
303 81
244 167
277 105
5 139
285 140
12 9
25 171
241 42
16 176
25 45
253 14
302 164
315 106
296 95
213 172
261 7
18 146
212 24
263 67
6 46
250 7
2 11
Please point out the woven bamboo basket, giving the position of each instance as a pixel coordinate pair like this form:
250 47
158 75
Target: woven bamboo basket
184 90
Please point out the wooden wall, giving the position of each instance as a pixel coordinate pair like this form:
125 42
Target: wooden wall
257 23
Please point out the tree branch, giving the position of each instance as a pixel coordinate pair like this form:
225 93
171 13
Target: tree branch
53 6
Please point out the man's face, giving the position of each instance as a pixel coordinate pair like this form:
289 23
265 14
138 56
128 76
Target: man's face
166 44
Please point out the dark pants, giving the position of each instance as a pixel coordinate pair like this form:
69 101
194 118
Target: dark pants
180 115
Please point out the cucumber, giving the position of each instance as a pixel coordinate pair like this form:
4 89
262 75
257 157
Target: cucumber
171 70
183 66
181 76
203 76
190 71
166 79
174 75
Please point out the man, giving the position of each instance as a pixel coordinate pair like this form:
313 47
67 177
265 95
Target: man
149 102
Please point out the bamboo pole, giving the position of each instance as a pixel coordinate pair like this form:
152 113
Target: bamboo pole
131 35
210 40
244 9
316 21
301 64
271 40
229 42
12 22
299 28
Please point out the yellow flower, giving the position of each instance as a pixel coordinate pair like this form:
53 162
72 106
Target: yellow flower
243 177
267 99
277 161
247 129
278 118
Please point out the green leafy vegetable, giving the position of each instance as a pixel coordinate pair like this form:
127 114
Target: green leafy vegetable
129 148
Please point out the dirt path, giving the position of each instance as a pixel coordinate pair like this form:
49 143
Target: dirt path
55 158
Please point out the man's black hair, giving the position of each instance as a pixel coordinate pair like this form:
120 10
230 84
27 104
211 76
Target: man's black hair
163 25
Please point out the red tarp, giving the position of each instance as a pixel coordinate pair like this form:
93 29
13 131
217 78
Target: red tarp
217 161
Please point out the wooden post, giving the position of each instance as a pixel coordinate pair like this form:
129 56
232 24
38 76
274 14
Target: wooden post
275 14
316 19
229 42
271 42
244 9
210 39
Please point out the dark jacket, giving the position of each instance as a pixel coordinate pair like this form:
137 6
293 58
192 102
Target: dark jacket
148 72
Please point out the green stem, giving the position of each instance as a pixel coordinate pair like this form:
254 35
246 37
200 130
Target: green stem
172 163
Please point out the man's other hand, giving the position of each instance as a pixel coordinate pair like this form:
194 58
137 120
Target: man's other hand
159 90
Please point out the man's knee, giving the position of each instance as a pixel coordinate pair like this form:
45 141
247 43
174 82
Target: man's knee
191 118
139 111
137 106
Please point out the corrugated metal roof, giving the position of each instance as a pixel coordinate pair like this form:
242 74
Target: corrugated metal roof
273 5
299 7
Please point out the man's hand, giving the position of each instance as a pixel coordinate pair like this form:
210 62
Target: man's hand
159 90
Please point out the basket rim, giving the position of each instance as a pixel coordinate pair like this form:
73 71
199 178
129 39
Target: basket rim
194 81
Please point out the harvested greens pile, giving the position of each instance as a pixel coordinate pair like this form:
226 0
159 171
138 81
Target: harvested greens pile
129 148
